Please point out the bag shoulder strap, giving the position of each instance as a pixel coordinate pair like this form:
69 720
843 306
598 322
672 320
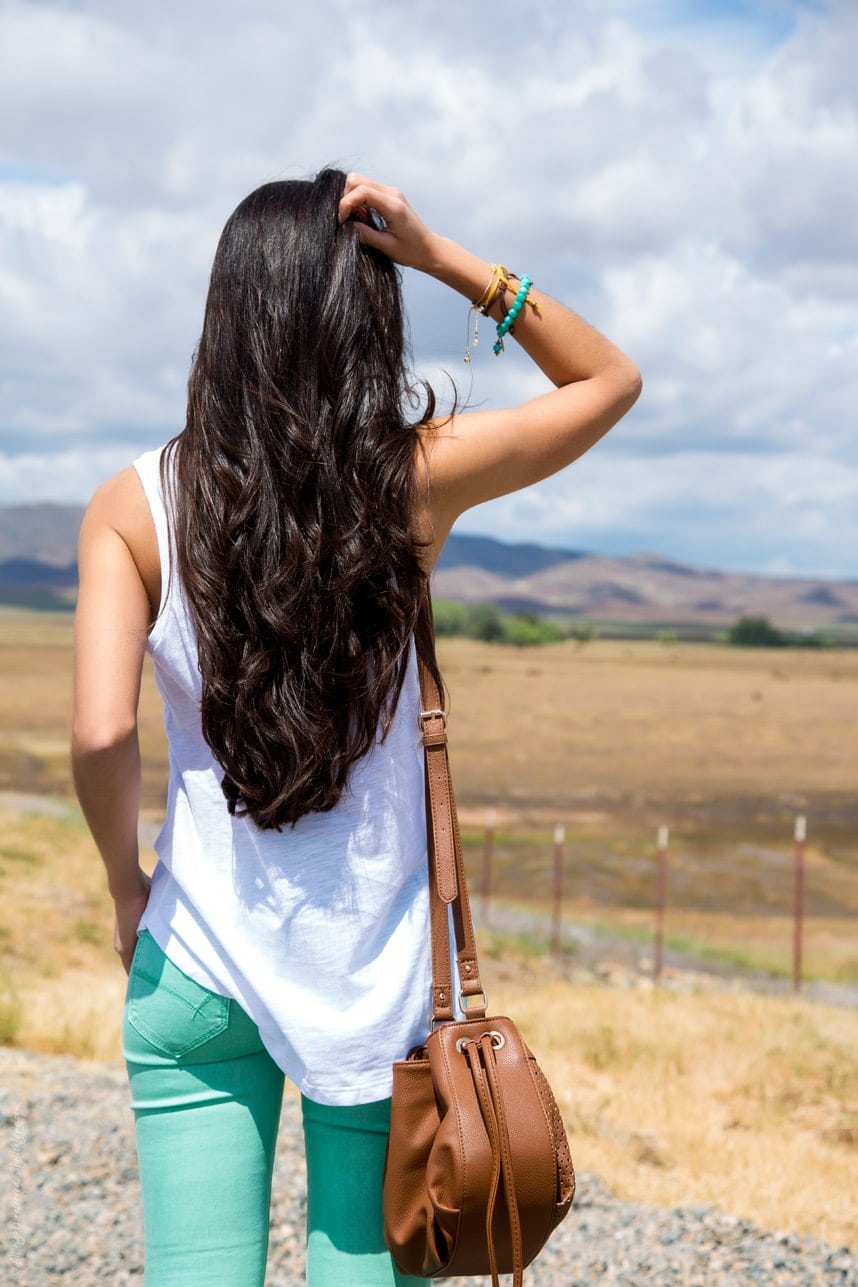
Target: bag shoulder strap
447 884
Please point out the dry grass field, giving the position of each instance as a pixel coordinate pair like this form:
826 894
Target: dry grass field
744 1101
724 1096
728 741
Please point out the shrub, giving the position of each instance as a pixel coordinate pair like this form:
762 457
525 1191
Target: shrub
755 632
451 618
812 639
485 622
526 630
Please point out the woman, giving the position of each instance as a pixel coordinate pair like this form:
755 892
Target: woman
274 561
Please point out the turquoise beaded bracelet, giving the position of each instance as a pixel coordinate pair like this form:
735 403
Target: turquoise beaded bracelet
509 321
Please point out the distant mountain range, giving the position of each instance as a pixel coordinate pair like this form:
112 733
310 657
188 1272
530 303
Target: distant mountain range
38 555
38 569
638 588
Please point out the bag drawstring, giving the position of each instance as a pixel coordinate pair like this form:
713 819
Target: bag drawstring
483 1065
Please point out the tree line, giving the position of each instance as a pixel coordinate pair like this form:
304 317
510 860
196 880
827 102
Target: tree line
491 624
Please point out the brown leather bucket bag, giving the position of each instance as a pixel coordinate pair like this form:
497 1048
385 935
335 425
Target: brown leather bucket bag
478 1171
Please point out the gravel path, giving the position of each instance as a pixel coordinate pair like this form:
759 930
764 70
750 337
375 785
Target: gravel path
70 1205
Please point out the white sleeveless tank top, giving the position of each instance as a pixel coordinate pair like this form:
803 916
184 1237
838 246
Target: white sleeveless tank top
321 931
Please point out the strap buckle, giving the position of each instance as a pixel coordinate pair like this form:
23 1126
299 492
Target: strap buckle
427 715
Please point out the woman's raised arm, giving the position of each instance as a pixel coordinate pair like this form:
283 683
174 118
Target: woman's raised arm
476 456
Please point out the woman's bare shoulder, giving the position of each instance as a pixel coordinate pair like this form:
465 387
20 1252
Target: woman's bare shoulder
116 496
459 464
120 505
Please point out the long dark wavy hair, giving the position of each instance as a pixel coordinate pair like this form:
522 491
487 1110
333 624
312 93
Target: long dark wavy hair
293 490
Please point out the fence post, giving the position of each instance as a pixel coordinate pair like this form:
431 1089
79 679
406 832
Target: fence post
559 838
488 854
661 894
798 900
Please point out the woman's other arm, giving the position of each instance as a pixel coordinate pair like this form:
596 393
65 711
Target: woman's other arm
111 624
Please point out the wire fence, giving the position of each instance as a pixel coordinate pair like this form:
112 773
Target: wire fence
668 906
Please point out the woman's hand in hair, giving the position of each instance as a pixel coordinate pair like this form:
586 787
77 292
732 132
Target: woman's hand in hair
387 222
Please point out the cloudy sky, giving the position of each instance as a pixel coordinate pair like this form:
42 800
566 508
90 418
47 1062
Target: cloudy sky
683 172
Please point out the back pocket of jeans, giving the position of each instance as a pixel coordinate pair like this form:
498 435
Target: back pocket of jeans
168 1010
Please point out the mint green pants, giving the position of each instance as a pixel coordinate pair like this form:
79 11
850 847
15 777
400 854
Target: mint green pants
206 1097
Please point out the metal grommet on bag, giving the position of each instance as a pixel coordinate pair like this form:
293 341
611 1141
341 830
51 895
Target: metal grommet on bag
498 1041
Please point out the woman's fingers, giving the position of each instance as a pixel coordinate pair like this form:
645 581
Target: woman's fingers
128 912
385 220
362 195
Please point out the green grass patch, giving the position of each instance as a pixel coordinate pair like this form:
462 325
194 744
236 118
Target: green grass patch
88 932
11 1013
628 933
21 857
502 944
737 958
499 945
843 972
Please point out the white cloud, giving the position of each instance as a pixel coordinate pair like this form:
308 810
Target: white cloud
736 357
65 475
771 513
688 182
